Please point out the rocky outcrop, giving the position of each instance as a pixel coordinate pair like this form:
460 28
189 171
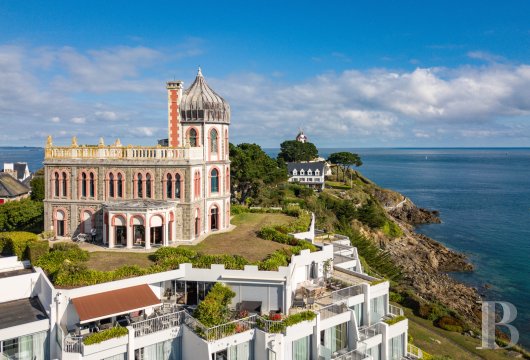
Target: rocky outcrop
411 214
423 261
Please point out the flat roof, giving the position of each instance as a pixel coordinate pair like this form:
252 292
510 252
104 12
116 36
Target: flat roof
9 273
115 302
19 312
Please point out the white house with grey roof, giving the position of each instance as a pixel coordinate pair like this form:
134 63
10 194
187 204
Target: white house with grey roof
311 174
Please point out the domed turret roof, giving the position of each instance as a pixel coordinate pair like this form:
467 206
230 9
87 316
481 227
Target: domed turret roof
200 103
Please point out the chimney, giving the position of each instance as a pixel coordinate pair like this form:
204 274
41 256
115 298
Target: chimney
174 94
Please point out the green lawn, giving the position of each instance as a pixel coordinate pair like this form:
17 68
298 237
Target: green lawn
110 260
243 239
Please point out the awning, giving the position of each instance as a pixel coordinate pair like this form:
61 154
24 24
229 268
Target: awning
115 302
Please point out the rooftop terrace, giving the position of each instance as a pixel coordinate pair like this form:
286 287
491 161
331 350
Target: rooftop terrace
19 312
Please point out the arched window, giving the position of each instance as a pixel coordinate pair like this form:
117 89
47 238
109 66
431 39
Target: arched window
214 181
193 137
83 184
169 187
140 190
177 186
111 186
65 184
214 218
197 184
92 185
56 185
213 141
148 186
120 186
227 181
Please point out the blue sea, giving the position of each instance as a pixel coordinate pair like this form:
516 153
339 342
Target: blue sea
483 195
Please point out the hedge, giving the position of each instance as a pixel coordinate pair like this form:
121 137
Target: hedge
96 338
16 243
37 249
395 320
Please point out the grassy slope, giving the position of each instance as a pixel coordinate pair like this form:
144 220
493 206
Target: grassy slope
437 341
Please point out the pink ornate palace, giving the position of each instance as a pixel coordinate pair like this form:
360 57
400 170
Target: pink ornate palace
144 196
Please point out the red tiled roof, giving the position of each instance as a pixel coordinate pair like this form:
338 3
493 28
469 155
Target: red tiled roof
115 302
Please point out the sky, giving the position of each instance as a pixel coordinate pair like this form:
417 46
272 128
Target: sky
349 73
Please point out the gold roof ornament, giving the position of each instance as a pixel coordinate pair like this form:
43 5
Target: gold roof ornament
117 142
101 142
49 142
74 141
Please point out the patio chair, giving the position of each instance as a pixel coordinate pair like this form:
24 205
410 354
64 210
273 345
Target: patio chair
310 302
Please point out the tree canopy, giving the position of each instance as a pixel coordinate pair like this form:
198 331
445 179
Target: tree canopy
21 215
252 168
37 186
293 151
345 159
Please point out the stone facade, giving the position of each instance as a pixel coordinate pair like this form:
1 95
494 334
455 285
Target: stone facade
87 185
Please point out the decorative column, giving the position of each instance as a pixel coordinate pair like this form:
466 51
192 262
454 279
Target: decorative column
147 233
165 240
111 235
130 232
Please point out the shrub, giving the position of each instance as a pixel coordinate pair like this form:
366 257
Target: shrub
395 320
24 215
449 323
298 318
96 338
396 297
238 209
36 249
16 243
213 310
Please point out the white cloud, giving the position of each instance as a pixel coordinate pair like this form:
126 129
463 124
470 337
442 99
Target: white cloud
107 115
123 88
78 120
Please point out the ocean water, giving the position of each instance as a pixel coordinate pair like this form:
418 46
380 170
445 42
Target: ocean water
483 196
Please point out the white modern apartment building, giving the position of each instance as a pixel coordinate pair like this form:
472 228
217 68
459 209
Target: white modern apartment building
353 318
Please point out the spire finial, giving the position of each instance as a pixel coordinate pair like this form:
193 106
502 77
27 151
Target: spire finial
199 73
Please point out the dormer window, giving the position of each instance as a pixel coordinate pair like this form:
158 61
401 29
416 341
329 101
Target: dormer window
295 172
309 172
317 173
302 172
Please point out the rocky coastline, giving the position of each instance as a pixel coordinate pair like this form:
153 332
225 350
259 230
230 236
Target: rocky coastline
424 262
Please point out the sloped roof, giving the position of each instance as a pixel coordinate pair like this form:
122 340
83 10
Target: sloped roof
313 165
11 187
115 302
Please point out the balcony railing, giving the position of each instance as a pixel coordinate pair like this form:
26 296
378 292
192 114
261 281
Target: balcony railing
121 152
73 344
414 352
369 332
395 310
353 355
270 326
346 293
332 310
220 331
162 322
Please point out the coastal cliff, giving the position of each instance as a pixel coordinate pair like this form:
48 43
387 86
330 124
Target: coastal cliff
425 262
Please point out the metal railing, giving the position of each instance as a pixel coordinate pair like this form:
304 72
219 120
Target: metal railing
414 351
73 344
332 310
270 326
159 323
395 310
354 355
231 328
342 294
369 332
